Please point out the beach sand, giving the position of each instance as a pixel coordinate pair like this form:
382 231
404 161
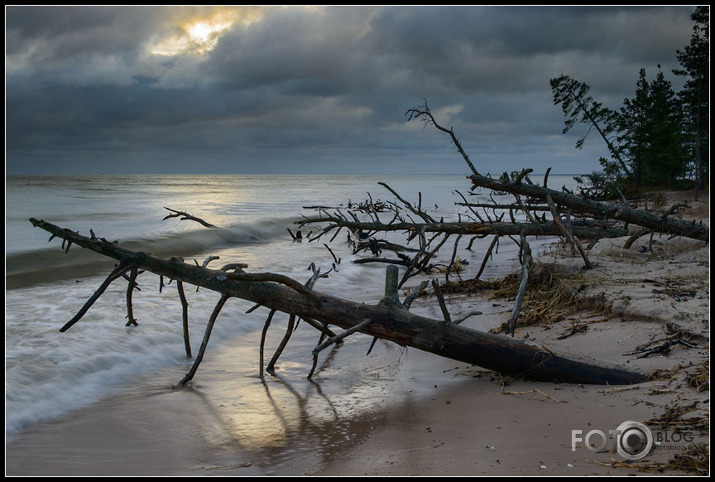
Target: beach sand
400 411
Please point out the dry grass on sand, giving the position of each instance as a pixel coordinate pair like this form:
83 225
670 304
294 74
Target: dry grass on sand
646 307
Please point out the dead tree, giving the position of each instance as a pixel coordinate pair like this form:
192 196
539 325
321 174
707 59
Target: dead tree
578 204
421 261
388 320
603 210
526 263
596 219
184 216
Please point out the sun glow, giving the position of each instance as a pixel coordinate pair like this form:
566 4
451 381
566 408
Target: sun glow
199 35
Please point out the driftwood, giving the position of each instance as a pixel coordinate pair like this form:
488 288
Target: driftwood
388 320
578 204
573 240
603 210
546 228
526 263
596 219
440 232
184 216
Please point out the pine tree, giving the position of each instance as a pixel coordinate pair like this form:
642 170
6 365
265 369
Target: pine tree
665 159
633 126
579 107
657 137
695 62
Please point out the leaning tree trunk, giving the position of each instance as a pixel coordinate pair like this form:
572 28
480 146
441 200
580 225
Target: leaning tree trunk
388 320
598 209
578 204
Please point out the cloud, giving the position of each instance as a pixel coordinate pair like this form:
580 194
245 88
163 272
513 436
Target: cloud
311 89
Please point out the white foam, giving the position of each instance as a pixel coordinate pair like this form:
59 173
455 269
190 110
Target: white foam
50 373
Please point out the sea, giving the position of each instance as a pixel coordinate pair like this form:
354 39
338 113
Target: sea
49 374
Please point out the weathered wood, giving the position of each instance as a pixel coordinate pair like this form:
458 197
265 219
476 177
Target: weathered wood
388 321
414 294
184 317
205 341
440 300
130 289
526 261
486 256
264 332
186 216
546 228
116 273
504 207
337 338
573 240
597 209
377 259
271 367
392 297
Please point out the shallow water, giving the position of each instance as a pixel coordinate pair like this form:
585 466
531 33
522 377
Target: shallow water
50 374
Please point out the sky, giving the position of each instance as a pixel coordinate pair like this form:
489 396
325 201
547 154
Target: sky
317 90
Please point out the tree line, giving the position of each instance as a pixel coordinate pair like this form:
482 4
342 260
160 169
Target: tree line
658 137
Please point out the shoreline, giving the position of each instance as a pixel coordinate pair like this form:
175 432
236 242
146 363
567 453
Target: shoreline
396 412
404 412
229 421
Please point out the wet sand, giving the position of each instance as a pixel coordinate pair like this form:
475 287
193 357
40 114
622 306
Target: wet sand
400 411
229 421
396 412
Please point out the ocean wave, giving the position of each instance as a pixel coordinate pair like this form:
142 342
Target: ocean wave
50 373
27 268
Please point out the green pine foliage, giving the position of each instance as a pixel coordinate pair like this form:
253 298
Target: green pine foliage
695 95
658 138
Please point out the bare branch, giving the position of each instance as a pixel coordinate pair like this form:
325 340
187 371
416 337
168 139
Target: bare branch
387 321
186 216
425 114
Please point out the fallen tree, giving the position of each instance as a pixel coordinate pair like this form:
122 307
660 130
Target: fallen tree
573 218
620 211
389 319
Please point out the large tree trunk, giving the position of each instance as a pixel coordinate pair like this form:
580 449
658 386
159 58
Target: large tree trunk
577 204
388 320
598 209
546 228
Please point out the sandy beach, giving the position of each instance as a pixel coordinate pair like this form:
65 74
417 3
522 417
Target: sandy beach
403 412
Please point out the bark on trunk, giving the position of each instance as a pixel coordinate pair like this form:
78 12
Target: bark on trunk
599 210
388 320
546 228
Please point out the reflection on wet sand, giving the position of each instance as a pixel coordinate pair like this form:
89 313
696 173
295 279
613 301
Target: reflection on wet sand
281 416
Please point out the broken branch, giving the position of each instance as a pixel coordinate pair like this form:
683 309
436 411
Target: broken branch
186 216
389 321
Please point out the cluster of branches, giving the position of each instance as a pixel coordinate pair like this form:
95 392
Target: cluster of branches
390 319
535 211
543 212
656 138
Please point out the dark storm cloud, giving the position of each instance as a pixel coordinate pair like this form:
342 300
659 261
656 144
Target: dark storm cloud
316 89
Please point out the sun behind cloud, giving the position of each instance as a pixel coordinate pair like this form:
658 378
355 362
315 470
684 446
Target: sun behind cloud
199 34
